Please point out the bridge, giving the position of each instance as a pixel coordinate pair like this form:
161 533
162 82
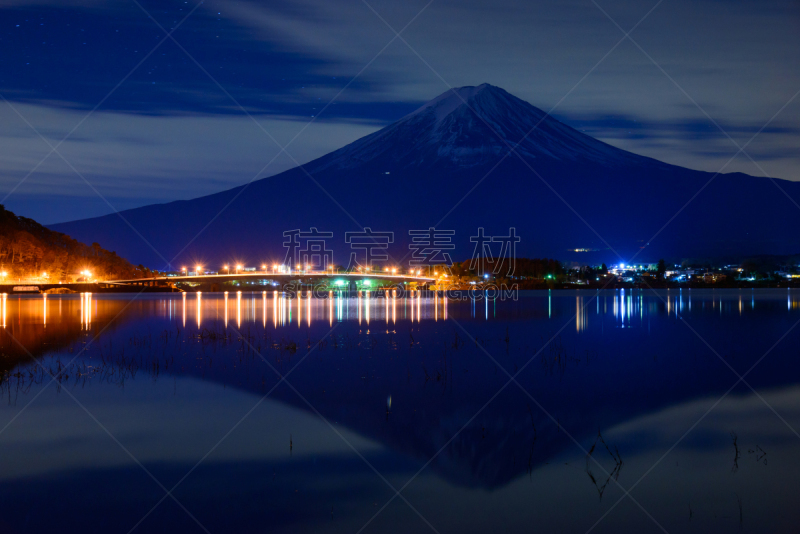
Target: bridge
345 280
350 280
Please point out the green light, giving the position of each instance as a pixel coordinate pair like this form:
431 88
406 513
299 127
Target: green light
367 282
339 282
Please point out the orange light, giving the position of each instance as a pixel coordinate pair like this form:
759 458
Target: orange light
263 267
199 268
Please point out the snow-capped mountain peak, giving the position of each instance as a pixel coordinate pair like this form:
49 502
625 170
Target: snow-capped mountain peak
474 125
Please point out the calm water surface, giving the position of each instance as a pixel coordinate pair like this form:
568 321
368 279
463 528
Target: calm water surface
566 411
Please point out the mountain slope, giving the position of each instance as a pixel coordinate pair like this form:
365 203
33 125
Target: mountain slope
445 166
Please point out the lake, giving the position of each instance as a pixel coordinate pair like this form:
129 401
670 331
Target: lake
563 411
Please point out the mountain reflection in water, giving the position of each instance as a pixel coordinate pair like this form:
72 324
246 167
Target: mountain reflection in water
425 376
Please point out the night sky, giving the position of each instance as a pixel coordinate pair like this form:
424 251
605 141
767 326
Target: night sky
152 119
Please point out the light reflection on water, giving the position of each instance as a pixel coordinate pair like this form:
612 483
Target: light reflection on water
282 310
170 375
628 307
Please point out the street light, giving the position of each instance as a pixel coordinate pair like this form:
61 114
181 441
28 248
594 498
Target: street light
198 269
274 266
263 267
238 268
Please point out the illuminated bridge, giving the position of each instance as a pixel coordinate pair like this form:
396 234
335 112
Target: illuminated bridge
344 280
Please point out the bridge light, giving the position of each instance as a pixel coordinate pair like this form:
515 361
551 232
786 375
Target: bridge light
263 267
394 270
274 266
199 268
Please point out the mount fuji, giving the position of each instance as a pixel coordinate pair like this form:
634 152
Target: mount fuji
472 157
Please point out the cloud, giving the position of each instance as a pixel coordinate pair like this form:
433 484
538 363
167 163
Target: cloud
698 143
285 60
73 57
150 159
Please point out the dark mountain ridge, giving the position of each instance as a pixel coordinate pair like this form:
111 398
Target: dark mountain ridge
443 166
